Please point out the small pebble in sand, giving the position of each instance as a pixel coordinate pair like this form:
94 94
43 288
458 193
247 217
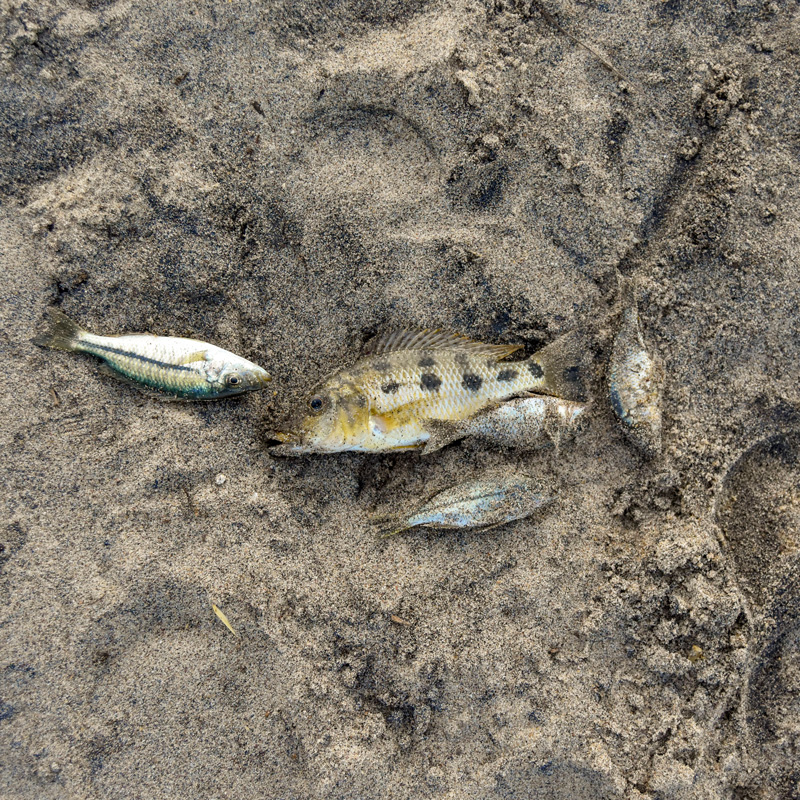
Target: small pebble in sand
695 654
220 479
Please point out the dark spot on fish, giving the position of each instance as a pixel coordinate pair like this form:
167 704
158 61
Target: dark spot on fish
382 366
472 382
427 362
535 369
507 375
571 374
430 381
361 401
390 388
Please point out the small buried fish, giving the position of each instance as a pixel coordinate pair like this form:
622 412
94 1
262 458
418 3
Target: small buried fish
180 368
484 503
523 423
408 378
635 380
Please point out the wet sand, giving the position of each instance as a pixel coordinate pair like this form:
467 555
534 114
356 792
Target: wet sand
287 179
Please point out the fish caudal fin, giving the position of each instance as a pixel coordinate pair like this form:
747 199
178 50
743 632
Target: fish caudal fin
63 334
563 367
387 523
626 290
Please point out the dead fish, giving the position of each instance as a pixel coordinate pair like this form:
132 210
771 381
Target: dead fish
483 503
180 368
635 380
524 423
407 378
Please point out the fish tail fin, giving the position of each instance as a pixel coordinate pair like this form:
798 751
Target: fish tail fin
63 334
386 522
626 290
563 367
395 531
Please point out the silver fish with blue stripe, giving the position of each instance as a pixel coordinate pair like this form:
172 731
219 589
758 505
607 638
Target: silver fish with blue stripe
185 369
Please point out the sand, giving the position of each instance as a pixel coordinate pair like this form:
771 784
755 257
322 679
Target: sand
287 179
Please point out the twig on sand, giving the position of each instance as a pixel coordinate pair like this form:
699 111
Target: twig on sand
224 620
551 20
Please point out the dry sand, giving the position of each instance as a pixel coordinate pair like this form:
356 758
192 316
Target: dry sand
285 179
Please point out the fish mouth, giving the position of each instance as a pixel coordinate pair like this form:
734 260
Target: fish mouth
284 443
284 437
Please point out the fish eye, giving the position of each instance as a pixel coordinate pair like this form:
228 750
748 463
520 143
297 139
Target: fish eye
233 379
316 403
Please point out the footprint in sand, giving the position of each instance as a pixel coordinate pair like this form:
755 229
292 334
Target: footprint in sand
758 512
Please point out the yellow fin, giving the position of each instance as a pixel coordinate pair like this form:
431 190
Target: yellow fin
224 619
433 339
200 355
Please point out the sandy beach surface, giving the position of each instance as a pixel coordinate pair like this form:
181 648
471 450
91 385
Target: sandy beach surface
286 179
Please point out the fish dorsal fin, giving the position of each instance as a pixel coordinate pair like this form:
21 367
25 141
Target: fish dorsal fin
191 358
429 339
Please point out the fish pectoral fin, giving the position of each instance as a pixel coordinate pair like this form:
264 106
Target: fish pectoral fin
379 424
200 355
443 432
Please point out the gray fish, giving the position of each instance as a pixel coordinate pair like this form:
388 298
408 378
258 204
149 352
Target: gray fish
635 381
180 368
489 501
524 423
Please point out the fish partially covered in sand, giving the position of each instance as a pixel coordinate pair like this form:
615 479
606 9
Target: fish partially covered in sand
408 378
635 379
523 423
179 368
483 503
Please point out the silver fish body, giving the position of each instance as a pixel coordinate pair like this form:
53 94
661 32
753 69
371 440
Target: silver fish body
486 502
635 381
182 368
524 423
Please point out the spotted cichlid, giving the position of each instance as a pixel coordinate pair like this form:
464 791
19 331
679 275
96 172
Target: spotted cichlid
484 503
523 423
635 381
408 378
181 368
